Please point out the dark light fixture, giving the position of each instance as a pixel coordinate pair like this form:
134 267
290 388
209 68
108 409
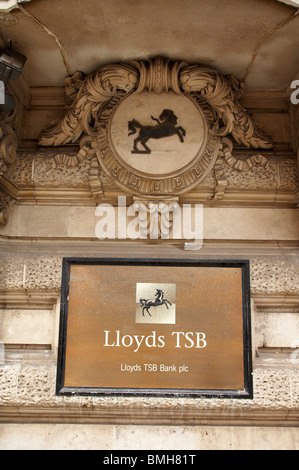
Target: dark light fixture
11 64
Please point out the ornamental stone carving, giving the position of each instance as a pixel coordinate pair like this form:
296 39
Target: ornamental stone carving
8 150
156 128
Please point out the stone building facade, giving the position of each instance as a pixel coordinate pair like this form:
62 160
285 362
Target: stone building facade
65 151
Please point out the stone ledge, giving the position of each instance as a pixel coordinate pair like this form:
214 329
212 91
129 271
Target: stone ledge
28 394
139 416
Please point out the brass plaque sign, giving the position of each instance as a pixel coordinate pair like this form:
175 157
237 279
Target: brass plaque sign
155 327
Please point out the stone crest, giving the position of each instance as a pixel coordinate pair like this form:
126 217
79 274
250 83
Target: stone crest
156 128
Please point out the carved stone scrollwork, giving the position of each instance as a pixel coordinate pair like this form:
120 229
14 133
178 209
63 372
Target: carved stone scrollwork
124 89
158 75
222 94
5 203
9 124
8 151
235 163
82 116
8 143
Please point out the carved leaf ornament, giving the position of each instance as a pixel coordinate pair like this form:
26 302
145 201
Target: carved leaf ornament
117 88
222 94
83 114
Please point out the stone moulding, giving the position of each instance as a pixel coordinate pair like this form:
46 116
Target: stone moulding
95 98
149 415
274 179
28 394
270 275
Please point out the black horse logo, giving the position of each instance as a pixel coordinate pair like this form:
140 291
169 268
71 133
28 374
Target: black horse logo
166 126
159 300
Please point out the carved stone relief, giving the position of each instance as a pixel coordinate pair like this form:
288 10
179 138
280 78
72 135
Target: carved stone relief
156 128
5 203
46 169
9 123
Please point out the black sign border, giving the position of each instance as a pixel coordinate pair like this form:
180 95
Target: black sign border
247 393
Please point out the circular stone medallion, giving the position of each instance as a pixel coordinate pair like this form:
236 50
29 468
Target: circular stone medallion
170 125
156 144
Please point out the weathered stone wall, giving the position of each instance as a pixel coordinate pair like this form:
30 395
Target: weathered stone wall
49 197
30 290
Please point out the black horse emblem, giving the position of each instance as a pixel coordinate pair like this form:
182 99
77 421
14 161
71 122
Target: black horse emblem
159 300
165 127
